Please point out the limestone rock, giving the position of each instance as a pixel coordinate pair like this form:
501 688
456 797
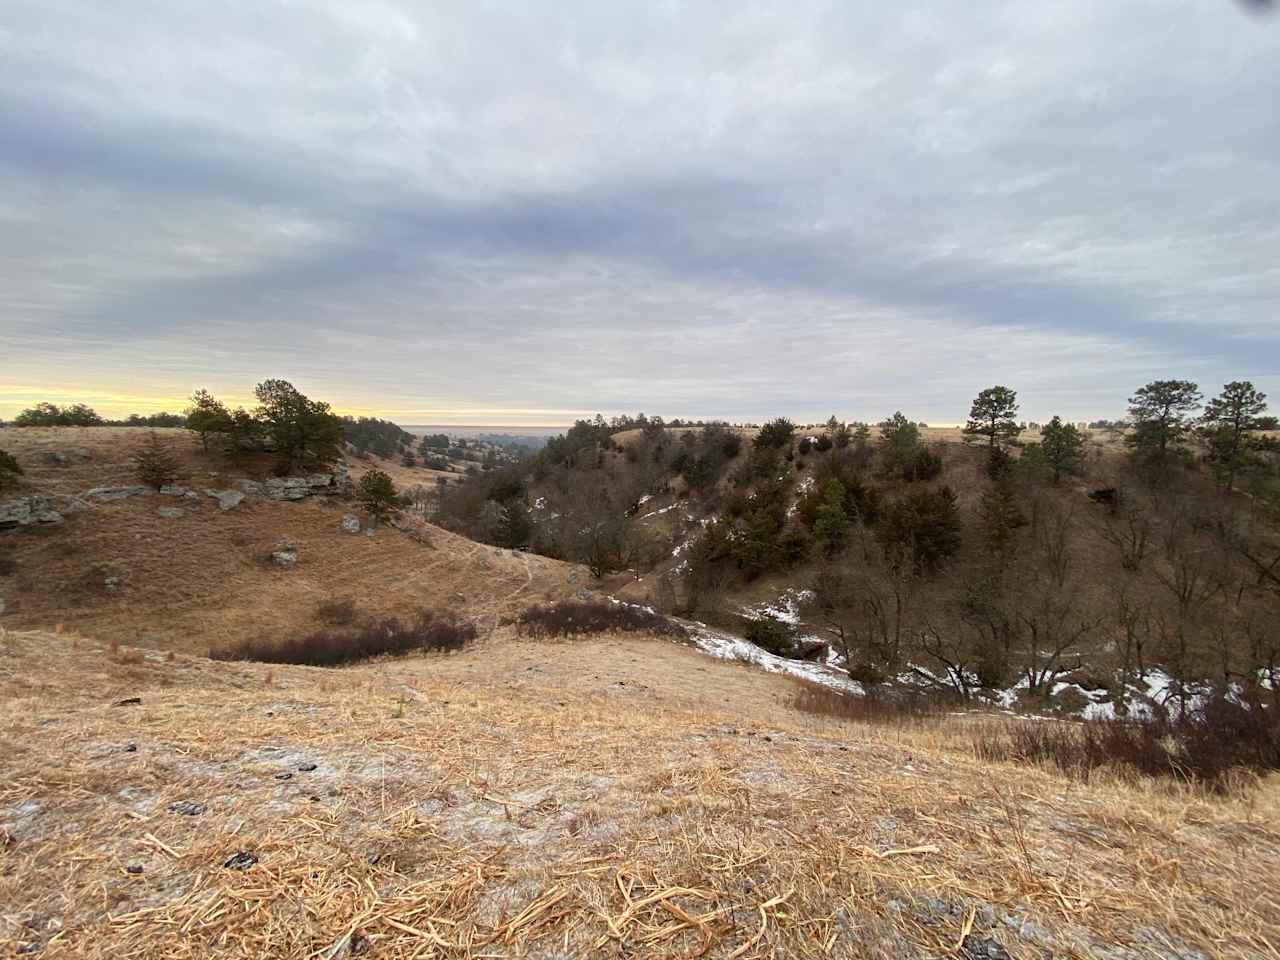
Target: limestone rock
285 554
287 488
69 504
28 510
229 499
252 487
174 490
350 523
105 494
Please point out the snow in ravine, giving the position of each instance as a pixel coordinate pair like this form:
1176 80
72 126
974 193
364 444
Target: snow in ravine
727 646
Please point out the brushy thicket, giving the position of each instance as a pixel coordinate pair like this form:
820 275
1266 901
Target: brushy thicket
825 702
1205 746
429 630
570 618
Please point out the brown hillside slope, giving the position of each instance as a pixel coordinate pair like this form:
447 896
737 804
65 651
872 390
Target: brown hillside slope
603 798
203 578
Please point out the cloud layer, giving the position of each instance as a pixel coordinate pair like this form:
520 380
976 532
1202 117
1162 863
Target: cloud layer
497 213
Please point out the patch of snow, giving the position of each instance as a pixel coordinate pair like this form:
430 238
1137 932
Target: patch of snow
786 608
658 513
727 646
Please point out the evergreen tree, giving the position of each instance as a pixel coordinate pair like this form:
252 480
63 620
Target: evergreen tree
10 471
1063 447
1161 417
993 417
775 433
831 523
154 462
377 494
1229 420
300 429
207 416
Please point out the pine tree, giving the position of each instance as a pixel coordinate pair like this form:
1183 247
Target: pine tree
154 462
10 471
1228 421
1161 417
831 523
993 417
377 494
207 416
1063 447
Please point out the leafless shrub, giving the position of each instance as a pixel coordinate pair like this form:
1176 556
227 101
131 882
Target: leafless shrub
430 630
571 618
1208 745
824 701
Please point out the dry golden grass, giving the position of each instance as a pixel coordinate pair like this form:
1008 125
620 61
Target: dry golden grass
600 798
201 580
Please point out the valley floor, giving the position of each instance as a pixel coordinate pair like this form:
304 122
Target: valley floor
610 797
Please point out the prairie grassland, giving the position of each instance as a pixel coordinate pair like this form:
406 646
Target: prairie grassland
603 797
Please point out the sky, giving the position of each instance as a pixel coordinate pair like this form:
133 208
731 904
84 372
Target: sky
515 213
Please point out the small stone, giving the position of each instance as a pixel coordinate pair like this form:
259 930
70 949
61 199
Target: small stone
306 767
128 702
228 499
284 776
188 808
982 948
241 860
113 584
285 554
130 748
133 869
350 523
169 513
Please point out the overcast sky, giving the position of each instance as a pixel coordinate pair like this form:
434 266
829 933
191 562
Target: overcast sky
519 213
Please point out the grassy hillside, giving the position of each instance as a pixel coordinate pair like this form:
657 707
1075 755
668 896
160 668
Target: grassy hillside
548 800
203 578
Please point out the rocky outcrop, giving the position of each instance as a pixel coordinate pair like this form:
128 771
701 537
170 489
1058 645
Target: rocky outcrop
107 494
227 499
36 509
285 554
299 488
26 511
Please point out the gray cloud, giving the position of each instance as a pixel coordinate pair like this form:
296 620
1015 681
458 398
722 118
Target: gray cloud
711 211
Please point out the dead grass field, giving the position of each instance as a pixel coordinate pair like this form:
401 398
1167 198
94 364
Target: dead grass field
610 797
203 579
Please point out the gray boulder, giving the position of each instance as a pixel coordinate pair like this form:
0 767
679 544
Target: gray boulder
174 490
229 499
287 488
252 487
105 494
28 510
69 504
285 554
350 523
